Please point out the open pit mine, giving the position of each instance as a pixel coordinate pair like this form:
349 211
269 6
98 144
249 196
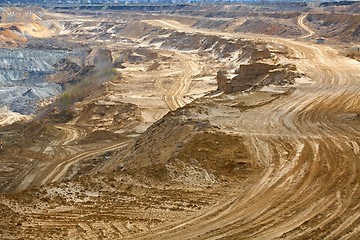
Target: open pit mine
180 121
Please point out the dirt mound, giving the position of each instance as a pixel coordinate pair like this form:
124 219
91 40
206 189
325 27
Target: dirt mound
104 114
11 38
180 150
137 30
40 131
161 139
255 76
221 154
20 24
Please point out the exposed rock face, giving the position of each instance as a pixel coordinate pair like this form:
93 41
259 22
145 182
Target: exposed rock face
255 52
17 64
100 58
24 69
68 73
103 58
67 65
256 75
222 79
220 47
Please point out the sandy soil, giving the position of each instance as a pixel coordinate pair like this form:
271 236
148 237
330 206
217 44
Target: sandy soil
296 150
304 141
306 28
7 117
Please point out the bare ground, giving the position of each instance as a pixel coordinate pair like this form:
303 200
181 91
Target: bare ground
280 163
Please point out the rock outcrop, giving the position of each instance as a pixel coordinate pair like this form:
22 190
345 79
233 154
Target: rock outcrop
256 75
99 58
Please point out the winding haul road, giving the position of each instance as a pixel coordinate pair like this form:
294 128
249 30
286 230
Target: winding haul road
54 172
308 144
60 170
306 28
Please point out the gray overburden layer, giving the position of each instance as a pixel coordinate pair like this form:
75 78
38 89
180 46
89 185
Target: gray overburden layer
23 77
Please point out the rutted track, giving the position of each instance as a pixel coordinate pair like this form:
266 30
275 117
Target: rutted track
310 151
71 134
306 28
174 97
41 174
60 170
307 142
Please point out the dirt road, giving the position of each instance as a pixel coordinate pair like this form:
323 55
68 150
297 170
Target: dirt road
306 28
71 134
36 175
61 169
309 146
174 97
46 172
307 142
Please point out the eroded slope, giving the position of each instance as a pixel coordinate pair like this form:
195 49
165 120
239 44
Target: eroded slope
277 161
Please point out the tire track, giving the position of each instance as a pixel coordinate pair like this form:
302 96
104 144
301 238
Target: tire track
306 28
174 97
310 186
61 169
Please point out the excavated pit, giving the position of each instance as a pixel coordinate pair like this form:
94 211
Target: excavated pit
191 125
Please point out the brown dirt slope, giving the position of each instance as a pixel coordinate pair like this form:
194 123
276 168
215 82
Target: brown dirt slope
345 27
269 27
